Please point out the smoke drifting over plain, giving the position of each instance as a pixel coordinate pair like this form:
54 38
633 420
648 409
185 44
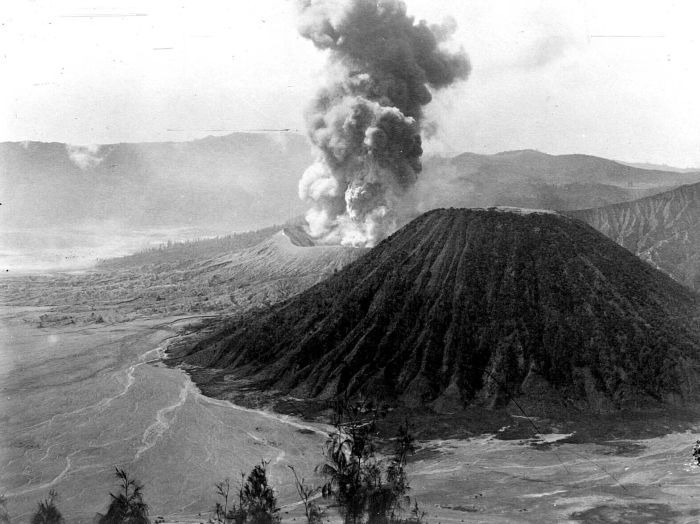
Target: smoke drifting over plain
84 157
366 121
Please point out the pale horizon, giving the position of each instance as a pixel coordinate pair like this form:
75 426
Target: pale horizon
440 152
617 81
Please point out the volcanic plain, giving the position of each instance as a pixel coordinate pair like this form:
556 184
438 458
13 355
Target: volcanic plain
84 390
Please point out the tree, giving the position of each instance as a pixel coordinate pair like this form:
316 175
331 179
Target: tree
127 507
314 514
257 503
398 486
221 509
386 499
350 466
417 515
4 515
365 487
258 498
47 512
222 513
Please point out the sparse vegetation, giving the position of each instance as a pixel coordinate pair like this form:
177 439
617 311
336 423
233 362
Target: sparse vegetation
47 512
365 491
223 514
189 250
127 506
257 503
4 515
307 495
258 498
417 514
364 487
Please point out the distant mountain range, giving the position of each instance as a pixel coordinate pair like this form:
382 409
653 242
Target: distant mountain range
533 179
472 306
663 229
65 205
246 181
661 167
236 182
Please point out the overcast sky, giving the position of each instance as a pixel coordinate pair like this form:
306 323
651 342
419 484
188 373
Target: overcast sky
610 78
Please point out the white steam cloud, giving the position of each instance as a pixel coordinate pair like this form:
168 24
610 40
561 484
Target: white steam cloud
84 157
366 122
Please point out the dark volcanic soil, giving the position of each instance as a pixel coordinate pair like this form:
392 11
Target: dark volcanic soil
474 307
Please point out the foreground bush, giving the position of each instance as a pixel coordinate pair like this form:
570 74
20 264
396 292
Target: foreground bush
127 506
257 503
364 487
4 515
47 512
307 495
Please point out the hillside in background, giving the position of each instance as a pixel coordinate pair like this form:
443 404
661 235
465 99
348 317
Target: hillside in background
239 181
661 167
182 254
66 206
246 181
663 229
210 276
537 180
464 306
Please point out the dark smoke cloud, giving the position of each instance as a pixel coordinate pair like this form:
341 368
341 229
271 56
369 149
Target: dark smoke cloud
366 122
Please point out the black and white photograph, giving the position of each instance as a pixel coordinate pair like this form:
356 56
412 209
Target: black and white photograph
349 261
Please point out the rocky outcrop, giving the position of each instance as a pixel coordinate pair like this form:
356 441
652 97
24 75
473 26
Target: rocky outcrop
663 229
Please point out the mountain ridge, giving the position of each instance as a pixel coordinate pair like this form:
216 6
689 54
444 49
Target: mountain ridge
663 229
67 205
532 179
458 303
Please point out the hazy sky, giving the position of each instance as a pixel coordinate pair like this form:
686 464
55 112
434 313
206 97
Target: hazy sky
612 78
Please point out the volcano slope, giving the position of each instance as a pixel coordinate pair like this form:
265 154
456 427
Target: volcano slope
214 277
473 307
663 229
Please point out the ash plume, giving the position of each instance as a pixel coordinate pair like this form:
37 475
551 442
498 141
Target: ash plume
366 121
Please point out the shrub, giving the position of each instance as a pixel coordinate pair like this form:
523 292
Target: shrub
47 512
363 486
127 507
258 498
257 503
314 514
4 515
222 513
